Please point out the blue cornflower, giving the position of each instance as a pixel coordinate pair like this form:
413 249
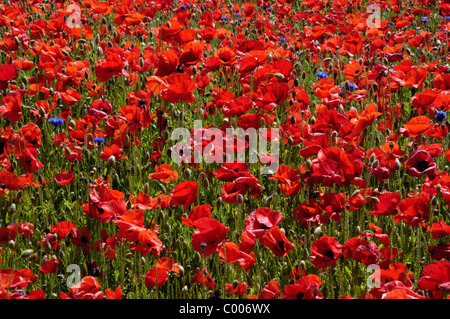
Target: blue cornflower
236 14
182 7
282 40
322 75
269 9
425 19
351 87
440 116
224 18
56 121
447 17
241 20
99 140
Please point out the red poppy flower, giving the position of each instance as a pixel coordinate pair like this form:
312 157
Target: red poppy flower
435 278
325 252
386 205
230 171
164 174
420 162
440 251
277 242
184 194
210 232
304 289
63 228
196 214
289 178
8 72
332 166
64 178
416 126
271 290
49 266
107 68
413 211
226 56
308 214
439 230
261 220
12 107
237 106
154 274
179 87
204 278
231 253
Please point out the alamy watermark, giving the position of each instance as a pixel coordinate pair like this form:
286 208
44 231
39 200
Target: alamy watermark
374 18
211 145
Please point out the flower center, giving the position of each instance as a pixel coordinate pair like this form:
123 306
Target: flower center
422 165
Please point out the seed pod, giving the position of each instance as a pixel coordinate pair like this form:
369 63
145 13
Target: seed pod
317 232
398 165
26 253
434 201
112 161
181 271
187 173
325 291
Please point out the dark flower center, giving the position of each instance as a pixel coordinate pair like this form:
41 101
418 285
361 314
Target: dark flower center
422 165
329 253
300 295
281 245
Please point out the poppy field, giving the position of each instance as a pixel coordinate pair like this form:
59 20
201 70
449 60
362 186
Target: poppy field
349 198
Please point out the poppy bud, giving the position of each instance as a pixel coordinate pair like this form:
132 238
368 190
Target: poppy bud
12 208
375 199
219 202
290 140
41 111
317 232
11 244
26 253
99 51
146 188
62 255
397 164
181 271
358 230
112 160
296 82
375 164
143 260
438 188
315 291
325 291
235 284
308 164
187 173
434 201
240 198
203 247
205 183
169 25
279 76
